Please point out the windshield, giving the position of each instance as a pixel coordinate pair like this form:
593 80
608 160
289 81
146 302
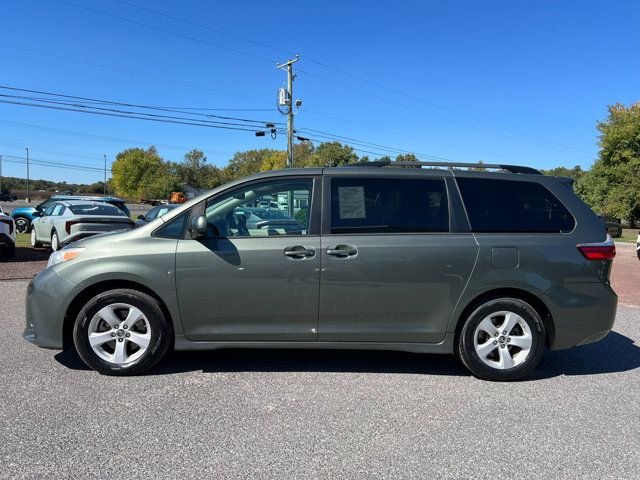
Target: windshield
96 209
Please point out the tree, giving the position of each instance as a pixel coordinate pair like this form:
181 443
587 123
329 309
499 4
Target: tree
612 186
332 154
575 172
245 163
132 168
191 170
407 157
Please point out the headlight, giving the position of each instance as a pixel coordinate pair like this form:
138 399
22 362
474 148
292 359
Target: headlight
64 255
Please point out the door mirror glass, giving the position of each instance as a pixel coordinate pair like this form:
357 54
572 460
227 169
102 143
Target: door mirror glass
37 214
140 217
199 226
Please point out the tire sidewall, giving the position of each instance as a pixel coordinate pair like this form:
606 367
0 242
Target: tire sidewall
34 238
467 350
22 221
160 332
55 246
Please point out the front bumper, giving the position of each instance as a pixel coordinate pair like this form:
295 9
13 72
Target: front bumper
48 297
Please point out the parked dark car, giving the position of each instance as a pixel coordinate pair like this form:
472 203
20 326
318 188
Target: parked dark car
155 212
493 267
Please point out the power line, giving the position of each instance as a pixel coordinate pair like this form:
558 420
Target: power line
51 163
74 133
442 117
135 74
164 30
368 81
111 102
132 116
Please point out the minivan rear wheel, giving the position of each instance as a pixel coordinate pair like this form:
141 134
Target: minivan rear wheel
502 340
122 332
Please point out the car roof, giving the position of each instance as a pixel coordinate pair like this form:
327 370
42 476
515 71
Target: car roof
93 198
72 203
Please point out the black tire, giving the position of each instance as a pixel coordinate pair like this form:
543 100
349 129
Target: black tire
466 349
34 244
161 332
8 251
23 225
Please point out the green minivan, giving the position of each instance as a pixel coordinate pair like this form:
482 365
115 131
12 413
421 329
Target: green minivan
493 266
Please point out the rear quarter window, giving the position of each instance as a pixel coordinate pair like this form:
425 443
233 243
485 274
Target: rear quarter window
513 206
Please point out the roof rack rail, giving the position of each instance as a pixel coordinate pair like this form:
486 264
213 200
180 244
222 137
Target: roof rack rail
386 163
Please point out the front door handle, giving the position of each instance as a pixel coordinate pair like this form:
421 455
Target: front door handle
342 251
299 251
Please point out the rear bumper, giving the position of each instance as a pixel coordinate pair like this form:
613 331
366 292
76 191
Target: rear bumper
48 296
6 240
582 313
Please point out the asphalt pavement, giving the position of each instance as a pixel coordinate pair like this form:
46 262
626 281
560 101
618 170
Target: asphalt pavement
317 414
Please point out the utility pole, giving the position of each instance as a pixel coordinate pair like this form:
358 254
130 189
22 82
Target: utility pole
27 149
285 99
105 175
0 174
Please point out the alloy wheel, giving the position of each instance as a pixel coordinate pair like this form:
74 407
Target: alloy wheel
119 333
503 340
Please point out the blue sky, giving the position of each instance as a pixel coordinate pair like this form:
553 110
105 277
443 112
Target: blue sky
498 81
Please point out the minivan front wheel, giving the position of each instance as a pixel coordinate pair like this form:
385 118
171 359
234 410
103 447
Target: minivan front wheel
121 332
502 340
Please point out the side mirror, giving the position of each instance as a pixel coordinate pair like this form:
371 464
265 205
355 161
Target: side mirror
140 217
199 226
38 214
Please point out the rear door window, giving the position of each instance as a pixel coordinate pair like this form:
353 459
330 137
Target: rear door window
388 205
513 206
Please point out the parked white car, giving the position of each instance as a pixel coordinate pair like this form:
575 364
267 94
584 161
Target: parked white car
65 222
7 235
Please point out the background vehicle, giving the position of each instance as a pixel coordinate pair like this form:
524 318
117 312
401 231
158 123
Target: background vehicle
493 267
155 212
614 228
7 236
6 197
638 246
177 197
24 216
65 222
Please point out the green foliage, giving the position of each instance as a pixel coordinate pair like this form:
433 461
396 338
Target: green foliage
331 154
575 172
612 186
134 169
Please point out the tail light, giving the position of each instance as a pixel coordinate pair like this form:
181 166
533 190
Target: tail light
68 225
8 222
598 251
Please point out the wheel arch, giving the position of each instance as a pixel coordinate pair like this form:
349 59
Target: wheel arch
91 291
533 300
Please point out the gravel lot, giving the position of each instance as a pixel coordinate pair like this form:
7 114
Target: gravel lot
317 414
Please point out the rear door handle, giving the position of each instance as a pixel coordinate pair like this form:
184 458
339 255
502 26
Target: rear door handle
342 251
299 251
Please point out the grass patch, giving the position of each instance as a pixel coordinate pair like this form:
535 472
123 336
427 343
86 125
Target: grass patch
629 235
23 240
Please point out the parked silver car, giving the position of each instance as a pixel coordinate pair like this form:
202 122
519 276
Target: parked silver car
65 222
